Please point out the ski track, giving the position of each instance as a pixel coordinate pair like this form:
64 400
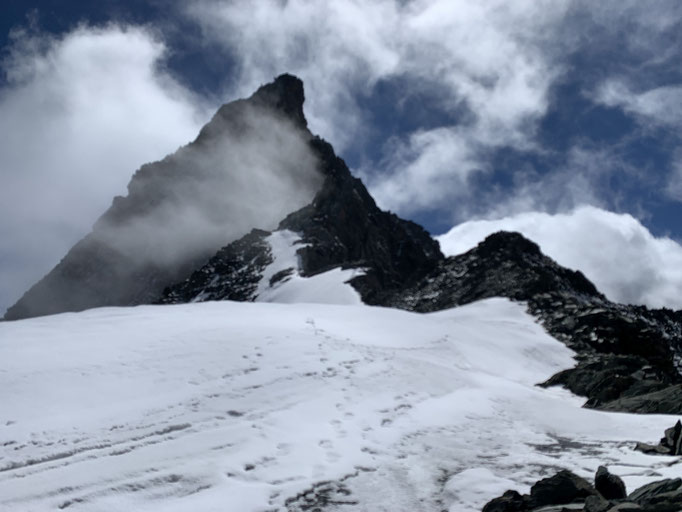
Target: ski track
209 407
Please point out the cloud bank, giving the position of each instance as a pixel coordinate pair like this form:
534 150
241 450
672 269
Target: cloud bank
78 114
484 60
615 251
491 66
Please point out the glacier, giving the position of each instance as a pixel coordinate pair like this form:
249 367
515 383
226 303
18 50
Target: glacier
228 406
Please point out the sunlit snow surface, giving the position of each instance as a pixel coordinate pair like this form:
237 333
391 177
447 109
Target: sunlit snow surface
329 287
243 407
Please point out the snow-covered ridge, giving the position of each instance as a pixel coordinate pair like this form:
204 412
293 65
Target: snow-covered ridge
210 407
281 280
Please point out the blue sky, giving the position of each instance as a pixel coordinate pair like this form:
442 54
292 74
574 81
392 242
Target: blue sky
449 110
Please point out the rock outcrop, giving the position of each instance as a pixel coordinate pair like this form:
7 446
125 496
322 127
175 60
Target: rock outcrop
566 491
670 443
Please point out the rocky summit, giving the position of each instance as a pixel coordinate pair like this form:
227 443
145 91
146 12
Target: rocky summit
197 226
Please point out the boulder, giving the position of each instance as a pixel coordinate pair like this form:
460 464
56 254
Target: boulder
596 504
610 486
673 439
659 493
510 501
670 443
562 488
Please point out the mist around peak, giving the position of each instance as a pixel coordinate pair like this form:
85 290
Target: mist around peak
248 168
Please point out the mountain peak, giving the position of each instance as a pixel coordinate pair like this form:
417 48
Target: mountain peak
509 242
180 210
285 94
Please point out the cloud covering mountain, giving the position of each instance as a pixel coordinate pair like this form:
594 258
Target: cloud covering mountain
450 111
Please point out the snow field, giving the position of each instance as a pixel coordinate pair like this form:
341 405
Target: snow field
224 406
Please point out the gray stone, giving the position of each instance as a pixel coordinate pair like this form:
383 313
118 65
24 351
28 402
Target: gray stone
596 504
651 493
563 488
610 486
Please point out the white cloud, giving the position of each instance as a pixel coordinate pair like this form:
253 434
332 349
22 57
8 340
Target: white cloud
494 60
615 251
78 115
662 105
429 167
674 188
486 56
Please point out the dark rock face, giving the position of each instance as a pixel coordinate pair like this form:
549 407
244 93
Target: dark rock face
610 486
563 488
232 274
622 383
344 227
670 443
625 353
249 167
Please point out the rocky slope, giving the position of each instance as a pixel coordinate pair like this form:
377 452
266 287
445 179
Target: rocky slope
628 356
342 227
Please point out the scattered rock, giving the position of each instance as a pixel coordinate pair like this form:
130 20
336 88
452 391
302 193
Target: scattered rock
566 491
670 443
610 486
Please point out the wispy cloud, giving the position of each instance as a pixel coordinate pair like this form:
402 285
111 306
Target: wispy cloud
497 61
487 56
661 105
78 114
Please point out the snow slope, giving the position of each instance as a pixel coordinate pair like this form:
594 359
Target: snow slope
329 287
225 406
